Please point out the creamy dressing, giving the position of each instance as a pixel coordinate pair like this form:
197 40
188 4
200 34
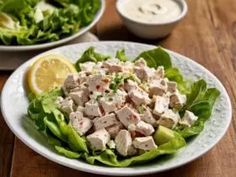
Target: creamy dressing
151 11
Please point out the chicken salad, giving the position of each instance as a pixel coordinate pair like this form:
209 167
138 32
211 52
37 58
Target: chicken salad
120 112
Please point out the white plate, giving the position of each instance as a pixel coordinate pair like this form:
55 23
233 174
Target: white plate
11 60
59 42
14 108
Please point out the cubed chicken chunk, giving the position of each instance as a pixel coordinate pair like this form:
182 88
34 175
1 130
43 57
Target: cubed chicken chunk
92 109
123 141
128 116
130 85
144 143
161 105
98 139
177 100
80 97
87 66
139 97
144 128
113 102
157 87
67 105
114 129
171 86
140 62
169 119
147 116
98 83
144 73
71 82
76 115
80 124
188 119
105 121
113 65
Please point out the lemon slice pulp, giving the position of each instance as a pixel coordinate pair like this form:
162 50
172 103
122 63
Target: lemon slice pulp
48 72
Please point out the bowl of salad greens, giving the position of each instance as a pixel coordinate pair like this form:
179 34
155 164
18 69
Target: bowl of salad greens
39 24
126 109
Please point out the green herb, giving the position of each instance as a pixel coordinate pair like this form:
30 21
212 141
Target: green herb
120 54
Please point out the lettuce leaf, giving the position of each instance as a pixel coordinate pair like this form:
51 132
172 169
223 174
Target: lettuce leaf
156 57
108 157
48 119
67 153
90 55
200 101
67 17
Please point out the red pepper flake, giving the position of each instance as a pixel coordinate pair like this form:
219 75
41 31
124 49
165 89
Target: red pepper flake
97 87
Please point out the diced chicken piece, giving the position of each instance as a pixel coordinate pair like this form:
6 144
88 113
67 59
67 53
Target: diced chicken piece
169 119
113 65
98 83
80 97
107 104
130 85
113 102
172 86
105 121
140 62
67 105
147 116
128 116
144 143
81 125
99 139
144 73
188 119
132 127
159 73
76 115
177 100
92 109
128 67
139 97
87 66
111 144
114 129
80 109
132 151
144 128
158 87
59 101
123 141
161 105
71 82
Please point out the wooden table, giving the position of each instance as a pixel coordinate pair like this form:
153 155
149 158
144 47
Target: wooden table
208 35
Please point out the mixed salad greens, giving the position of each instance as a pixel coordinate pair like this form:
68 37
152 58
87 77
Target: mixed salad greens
55 119
27 22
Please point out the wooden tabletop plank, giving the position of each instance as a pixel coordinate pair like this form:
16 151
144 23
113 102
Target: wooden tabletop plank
6 139
208 35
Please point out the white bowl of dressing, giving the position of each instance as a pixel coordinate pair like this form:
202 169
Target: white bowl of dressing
151 19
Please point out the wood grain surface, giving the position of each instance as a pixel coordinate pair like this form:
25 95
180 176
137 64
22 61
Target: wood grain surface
208 35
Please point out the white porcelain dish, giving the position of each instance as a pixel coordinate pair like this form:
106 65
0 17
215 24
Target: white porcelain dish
59 42
151 30
14 108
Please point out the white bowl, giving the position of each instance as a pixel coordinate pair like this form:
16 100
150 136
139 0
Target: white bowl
14 103
151 30
59 42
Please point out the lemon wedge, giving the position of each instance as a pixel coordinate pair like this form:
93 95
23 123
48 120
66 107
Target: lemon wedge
48 72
